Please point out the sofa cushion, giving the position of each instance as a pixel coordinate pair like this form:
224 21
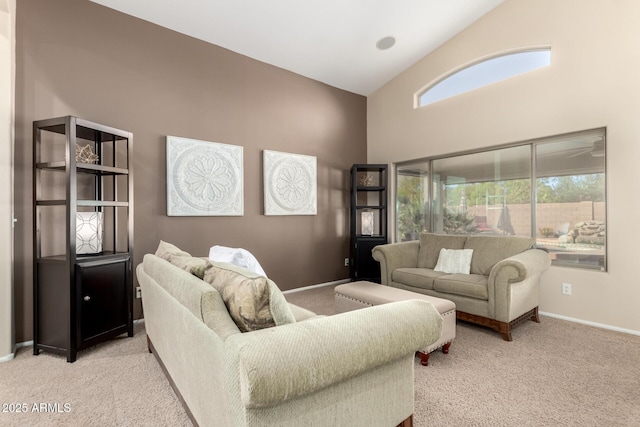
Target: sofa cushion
253 301
468 285
454 261
489 250
416 277
181 259
430 245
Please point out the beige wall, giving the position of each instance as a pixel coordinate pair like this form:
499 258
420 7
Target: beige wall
7 50
593 81
76 57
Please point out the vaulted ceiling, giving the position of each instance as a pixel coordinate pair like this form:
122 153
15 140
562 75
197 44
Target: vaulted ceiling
332 41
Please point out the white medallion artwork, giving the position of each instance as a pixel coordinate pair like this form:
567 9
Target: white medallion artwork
204 178
290 184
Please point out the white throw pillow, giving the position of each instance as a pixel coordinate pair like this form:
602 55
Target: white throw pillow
454 261
237 256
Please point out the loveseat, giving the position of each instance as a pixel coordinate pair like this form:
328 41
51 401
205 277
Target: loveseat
292 368
500 289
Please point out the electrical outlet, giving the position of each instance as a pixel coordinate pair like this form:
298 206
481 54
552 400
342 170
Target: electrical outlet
566 288
138 292
346 262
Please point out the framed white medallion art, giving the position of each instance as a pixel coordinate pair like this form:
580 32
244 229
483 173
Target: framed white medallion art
290 183
204 178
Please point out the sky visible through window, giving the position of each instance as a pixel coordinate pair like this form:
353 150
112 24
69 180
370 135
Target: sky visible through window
484 73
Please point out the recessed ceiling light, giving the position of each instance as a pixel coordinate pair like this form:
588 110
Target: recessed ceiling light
386 43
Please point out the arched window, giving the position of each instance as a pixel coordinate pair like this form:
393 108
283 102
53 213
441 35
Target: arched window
484 73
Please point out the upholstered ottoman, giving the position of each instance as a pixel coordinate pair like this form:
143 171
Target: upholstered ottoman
355 295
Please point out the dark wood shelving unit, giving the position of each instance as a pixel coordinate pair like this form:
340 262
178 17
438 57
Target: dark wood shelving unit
368 219
80 299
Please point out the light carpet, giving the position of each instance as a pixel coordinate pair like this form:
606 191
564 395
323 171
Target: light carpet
118 383
555 373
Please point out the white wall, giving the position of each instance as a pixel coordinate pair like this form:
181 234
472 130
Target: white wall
7 49
594 81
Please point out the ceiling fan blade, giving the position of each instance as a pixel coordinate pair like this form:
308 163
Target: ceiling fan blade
580 153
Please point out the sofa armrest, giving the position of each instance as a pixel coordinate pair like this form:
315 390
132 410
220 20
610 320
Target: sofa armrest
514 283
301 314
528 263
396 255
281 363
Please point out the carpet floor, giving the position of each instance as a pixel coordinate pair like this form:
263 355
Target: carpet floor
555 373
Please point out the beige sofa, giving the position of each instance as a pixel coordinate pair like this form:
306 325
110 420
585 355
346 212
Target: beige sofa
351 369
501 290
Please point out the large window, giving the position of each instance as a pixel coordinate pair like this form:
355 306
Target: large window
570 196
490 192
412 200
483 193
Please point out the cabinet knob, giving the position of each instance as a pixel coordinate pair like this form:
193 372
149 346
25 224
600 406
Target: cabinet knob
87 298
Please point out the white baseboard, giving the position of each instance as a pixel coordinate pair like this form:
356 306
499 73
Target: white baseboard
7 358
11 356
24 344
320 285
586 322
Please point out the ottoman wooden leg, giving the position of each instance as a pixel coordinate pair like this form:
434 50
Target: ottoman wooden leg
424 358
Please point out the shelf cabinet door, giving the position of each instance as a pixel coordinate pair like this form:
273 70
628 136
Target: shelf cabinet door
103 298
365 267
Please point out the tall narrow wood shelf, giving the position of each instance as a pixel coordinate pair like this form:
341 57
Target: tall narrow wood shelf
80 299
368 218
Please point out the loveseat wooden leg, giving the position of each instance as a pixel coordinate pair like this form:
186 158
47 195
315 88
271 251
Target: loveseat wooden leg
534 316
504 328
149 345
506 336
407 422
505 331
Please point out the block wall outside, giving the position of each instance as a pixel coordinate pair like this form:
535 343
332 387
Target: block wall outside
548 215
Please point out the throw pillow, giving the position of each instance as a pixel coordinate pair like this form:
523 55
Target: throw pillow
166 250
237 256
253 301
181 259
454 261
430 245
